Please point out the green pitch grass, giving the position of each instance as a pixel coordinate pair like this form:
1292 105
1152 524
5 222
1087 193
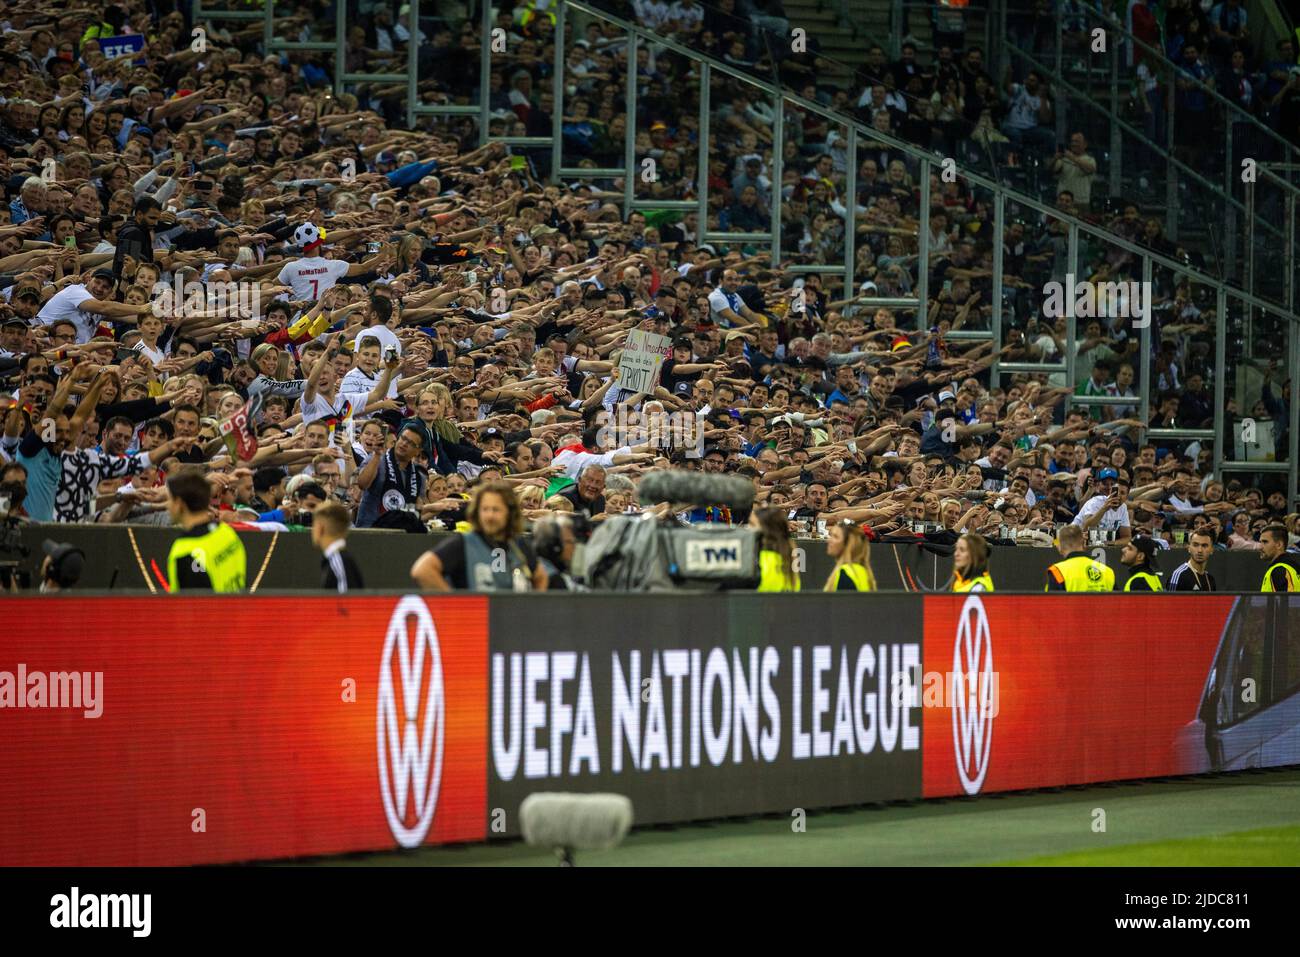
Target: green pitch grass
1250 818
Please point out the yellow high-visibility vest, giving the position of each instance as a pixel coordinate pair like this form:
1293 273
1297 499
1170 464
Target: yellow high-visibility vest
860 575
1292 579
978 583
773 576
1152 581
1082 573
216 553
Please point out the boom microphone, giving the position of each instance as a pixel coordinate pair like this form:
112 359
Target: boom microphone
575 822
695 488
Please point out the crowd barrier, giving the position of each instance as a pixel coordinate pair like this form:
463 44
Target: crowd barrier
216 729
121 558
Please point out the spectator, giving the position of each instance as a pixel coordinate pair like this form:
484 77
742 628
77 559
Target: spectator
1075 170
1029 115
507 294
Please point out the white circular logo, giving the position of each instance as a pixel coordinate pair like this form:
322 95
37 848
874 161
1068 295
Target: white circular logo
972 695
394 500
410 739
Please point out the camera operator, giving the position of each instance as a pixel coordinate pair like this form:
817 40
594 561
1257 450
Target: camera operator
62 566
556 537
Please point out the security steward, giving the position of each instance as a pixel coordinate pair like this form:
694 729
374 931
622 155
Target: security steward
1139 555
208 556
1077 570
970 564
1283 572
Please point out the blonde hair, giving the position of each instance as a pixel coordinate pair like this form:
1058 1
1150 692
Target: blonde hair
559 503
857 551
282 362
438 391
532 497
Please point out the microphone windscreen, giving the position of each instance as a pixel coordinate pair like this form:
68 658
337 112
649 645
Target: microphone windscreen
579 822
696 488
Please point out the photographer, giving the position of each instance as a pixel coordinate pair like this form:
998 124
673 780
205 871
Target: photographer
62 566
556 538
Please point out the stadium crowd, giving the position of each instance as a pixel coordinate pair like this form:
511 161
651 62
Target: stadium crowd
212 265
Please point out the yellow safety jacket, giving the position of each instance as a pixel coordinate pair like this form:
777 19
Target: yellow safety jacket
773 576
530 12
1153 581
860 575
1081 572
978 583
1292 579
207 557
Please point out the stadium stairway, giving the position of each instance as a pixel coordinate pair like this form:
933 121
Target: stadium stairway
835 27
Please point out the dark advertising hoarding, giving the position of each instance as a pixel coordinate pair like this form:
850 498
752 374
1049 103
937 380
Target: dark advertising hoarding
699 707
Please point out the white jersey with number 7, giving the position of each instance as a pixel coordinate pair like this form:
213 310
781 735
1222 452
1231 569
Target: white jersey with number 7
311 276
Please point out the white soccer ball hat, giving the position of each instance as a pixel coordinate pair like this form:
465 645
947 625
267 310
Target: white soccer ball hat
306 234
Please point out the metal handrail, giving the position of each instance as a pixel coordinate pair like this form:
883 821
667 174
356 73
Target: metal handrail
1243 117
1139 137
920 158
919 154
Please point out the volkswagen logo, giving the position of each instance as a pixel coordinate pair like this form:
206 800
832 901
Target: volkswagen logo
410 722
972 695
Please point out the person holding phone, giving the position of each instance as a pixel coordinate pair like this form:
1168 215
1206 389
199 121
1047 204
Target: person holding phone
1106 508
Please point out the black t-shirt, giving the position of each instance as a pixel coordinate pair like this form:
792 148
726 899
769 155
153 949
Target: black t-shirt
913 390
670 380
594 507
1186 578
452 555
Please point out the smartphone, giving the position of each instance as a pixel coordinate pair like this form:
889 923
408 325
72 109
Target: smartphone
518 162
853 447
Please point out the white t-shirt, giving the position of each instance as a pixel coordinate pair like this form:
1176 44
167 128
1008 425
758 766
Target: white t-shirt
1022 114
357 386
321 407
652 13
210 268
311 276
154 355
64 305
1114 518
575 462
385 336
720 299
687 17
